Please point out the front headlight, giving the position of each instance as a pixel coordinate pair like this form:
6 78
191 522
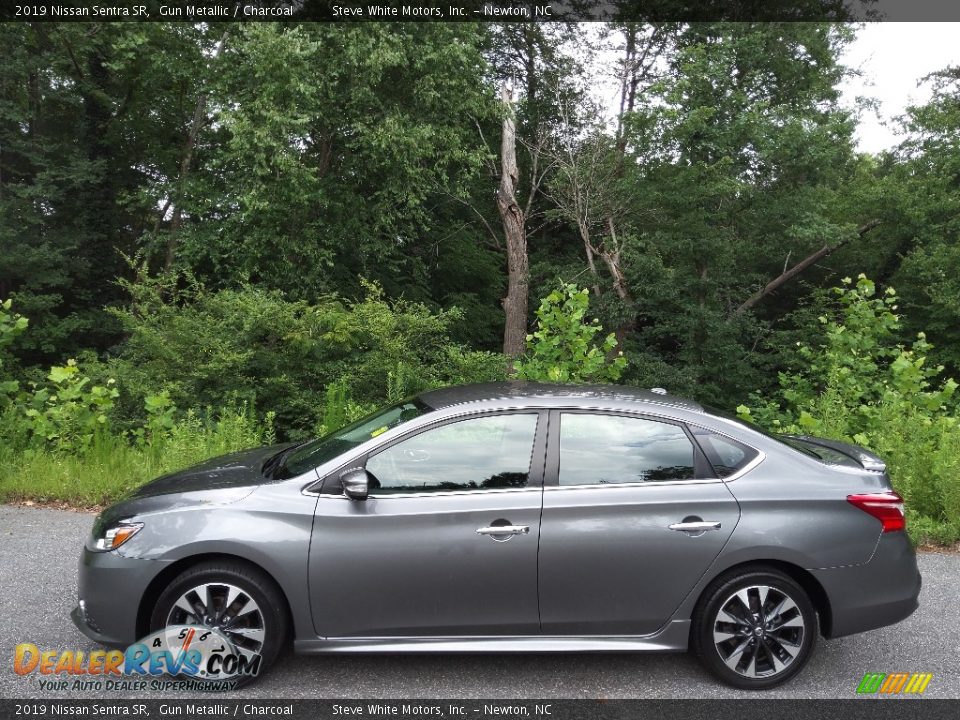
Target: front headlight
110 537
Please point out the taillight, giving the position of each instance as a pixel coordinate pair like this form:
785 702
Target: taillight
885 507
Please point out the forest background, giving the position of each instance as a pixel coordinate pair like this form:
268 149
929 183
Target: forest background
215 236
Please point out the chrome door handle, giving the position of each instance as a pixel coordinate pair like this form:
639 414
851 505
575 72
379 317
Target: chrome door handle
695 527
504 530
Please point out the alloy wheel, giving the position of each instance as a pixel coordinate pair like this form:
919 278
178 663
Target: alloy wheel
225 608
759 631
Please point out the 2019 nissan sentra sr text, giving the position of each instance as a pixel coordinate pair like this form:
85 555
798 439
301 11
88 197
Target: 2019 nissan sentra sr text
516 517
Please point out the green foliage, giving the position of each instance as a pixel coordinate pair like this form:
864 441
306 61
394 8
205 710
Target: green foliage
111 466
160 420
68 412
249 345
738 167
923 189
563 348
863 385
11 325
257 173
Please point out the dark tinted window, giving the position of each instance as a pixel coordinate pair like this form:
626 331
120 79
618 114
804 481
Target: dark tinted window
602 449
316 452
727 456
825 454
487 452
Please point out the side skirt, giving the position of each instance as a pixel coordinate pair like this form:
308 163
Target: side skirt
672 638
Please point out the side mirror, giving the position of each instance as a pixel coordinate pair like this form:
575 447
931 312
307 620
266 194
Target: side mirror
355 483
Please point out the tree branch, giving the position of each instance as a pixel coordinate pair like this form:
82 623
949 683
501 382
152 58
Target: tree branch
788 275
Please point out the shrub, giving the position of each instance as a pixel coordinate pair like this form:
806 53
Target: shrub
11 325
111 466
248 345
563 348
69 412
862 384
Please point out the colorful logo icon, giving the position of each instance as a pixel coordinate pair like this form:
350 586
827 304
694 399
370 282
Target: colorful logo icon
894 683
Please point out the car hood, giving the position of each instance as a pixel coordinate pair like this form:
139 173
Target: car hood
236 470
218 481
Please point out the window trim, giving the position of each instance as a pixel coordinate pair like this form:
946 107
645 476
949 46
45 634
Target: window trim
702 469
330 485
760 457
753 462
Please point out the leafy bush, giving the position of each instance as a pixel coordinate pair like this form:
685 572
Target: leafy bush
11 325
863 385
248 345
69 412
238 356
57 442
563 347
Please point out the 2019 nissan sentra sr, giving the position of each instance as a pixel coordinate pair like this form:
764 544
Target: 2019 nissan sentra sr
516 517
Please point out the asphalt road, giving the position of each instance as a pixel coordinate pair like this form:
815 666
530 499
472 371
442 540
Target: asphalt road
38 557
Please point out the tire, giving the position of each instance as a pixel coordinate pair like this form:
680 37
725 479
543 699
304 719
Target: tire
258 624
764 647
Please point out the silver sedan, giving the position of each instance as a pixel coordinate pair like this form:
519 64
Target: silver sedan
516 517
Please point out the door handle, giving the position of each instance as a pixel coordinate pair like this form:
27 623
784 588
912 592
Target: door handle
695 527
504 530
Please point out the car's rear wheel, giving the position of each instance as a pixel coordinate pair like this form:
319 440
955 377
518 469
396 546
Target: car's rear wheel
240 602
754 628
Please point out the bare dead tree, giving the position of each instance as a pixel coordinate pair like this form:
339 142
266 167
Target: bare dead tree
584 188
588 167
514 231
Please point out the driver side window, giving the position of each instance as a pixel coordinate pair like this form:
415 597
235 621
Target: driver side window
491 452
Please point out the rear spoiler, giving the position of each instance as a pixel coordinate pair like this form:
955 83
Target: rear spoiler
867 459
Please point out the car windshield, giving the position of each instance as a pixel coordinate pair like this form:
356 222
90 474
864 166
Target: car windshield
314 453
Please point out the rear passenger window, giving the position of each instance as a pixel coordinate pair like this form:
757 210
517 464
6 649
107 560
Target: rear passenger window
727 456
609 449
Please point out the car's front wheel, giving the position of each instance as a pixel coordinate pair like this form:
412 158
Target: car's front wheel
754 628
238 601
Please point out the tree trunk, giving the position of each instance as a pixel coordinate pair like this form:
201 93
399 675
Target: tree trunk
612 258
514 231
186 158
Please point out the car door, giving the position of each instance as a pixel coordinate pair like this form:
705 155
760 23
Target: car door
619 547
446 543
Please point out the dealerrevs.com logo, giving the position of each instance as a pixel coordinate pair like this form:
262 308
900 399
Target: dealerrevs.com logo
203 658
894 683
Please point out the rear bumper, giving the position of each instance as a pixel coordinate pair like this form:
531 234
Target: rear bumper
881 592
109 590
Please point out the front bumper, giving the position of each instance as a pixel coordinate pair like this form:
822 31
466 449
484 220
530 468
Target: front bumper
110 588
878 593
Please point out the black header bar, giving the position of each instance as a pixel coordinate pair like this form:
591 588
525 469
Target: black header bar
478 10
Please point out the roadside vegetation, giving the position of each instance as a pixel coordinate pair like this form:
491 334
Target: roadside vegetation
867 382
87 435
222 235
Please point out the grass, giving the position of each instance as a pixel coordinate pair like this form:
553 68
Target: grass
114 465
924 464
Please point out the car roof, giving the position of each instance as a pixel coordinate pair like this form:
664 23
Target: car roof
521 393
